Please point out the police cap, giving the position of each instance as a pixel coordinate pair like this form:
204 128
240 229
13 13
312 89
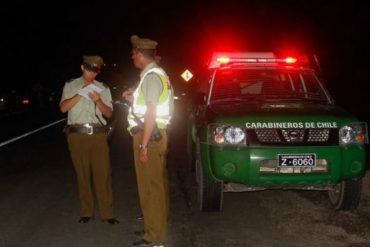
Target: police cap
142 43
93 63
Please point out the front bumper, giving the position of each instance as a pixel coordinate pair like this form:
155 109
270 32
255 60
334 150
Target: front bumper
257 166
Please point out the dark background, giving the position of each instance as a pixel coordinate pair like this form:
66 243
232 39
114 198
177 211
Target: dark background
42 43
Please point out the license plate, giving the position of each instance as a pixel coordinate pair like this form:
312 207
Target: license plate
296 160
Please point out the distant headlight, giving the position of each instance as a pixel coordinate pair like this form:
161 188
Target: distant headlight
355 133
227 135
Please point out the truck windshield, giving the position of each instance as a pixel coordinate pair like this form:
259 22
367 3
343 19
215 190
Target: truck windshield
247 84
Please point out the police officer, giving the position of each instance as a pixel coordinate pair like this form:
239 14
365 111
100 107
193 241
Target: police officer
150 112
87 101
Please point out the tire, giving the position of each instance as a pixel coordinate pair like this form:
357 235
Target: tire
210 191
190 151
346 195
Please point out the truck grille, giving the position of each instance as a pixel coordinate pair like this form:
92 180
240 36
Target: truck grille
294 136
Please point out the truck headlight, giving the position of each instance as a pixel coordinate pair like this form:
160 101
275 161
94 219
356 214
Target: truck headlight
227 135
355 133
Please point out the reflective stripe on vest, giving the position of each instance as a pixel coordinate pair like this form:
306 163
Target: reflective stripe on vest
163 108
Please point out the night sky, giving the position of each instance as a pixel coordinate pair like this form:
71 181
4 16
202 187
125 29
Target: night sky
44 42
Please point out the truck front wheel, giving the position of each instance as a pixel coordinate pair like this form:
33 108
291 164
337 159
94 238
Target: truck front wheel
346 195
210 191
190 150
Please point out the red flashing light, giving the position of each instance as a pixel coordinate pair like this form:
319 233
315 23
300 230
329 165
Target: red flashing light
290 60
223 60
25 101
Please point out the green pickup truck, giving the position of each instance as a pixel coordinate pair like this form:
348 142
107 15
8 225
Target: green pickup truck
261 121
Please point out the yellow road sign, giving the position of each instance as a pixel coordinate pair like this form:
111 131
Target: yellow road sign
187 75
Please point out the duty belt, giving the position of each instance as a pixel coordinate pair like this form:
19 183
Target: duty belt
87 129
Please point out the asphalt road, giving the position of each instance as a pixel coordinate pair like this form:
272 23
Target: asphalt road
39 204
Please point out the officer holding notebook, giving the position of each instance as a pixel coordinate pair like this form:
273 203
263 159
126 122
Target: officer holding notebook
88 102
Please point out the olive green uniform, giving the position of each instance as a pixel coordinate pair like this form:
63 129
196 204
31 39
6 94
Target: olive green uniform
152 178
90 153
152 181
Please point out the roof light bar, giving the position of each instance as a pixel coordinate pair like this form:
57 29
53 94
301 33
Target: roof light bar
220 59
226 60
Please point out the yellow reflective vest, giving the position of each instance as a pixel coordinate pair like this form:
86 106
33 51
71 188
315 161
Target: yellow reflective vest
163 114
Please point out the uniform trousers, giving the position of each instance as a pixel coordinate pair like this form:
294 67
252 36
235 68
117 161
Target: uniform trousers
90 156
153 188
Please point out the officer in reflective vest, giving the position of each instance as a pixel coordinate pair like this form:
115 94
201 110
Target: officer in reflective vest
151 110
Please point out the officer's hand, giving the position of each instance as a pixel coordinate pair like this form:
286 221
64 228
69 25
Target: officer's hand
143 155
94 96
